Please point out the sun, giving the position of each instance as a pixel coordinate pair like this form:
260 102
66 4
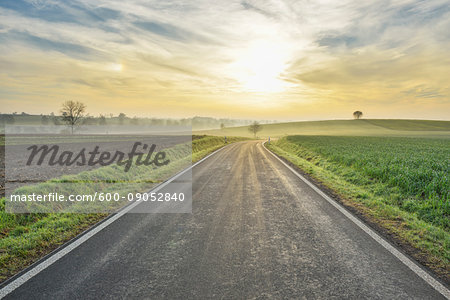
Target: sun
115 67
258 68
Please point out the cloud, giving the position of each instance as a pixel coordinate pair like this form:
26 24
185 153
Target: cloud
422 91
70 49
327 52
162 29
60 11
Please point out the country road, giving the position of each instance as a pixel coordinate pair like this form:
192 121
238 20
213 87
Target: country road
256 231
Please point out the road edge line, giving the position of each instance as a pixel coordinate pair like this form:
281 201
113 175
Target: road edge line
428 278
53 257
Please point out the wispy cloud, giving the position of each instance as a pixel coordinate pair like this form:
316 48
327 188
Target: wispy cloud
277 59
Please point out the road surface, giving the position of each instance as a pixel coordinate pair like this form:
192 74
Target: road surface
256 231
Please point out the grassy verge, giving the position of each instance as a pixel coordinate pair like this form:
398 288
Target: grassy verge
24 238
400 184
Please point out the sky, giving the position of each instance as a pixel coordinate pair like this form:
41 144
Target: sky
276 60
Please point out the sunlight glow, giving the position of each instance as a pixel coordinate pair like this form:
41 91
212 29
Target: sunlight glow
285 60
115 67
258 68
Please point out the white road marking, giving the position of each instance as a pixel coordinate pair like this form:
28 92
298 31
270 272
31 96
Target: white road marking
394 251
84 237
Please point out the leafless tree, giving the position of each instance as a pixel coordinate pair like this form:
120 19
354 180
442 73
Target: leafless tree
254 128
72 113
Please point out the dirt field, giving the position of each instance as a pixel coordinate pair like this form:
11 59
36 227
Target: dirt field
15 173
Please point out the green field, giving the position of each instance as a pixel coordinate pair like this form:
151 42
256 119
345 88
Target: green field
374 127
26 237
402 183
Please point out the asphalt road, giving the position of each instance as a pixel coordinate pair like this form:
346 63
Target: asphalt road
256 231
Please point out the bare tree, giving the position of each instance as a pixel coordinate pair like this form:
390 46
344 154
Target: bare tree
357 114
222 126
72 113
254 128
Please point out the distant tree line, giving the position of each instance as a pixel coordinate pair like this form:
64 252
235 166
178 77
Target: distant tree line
197 123
7 119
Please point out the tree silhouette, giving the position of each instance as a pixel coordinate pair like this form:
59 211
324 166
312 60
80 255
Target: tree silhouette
357 114
72 113
254 128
